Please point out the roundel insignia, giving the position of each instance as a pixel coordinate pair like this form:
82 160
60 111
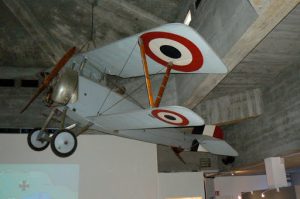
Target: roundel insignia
165 47
170 117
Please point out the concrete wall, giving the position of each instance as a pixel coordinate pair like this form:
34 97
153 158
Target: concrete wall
232 186
295 178
221 23
169 162
110 167
276 131
12 100
181 185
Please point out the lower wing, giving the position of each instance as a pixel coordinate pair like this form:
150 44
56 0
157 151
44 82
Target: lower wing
162 117
175 138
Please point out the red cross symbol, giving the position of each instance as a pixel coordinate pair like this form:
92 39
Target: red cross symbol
24 185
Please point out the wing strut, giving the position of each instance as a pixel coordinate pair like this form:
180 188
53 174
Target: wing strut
146 72
148 80
163 85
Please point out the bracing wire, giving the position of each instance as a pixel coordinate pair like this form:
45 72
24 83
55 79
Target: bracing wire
130 94
123 67
92 38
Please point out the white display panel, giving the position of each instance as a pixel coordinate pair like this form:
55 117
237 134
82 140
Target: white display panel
276 174
185 185
109 166
39 181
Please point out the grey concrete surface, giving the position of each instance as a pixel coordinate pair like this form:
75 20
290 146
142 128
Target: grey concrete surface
194 161
231 108
276 131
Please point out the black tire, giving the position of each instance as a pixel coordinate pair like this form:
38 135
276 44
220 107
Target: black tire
33 143
63 143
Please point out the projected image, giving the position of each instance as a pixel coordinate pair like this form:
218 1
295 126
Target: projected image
187 198
39 181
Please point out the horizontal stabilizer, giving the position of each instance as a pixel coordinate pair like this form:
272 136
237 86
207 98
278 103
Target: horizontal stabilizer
216 146
173 137
162 117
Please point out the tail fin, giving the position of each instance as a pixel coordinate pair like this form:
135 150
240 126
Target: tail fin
209 130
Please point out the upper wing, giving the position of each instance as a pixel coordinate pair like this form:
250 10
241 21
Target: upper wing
171 116
176 43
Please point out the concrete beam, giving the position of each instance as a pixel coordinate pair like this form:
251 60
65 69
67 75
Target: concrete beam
232 108
35 29
194 161
276 11
10 72
260 5
141 13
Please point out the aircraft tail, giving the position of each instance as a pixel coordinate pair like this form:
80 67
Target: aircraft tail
210 138
213 145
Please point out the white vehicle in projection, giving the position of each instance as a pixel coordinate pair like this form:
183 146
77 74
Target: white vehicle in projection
171 48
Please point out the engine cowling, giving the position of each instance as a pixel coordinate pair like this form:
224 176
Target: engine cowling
66 89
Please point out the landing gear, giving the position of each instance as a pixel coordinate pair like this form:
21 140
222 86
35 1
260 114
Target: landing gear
36 141
63 143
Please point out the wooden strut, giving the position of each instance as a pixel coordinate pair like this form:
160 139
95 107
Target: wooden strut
163 85
148 80
146 71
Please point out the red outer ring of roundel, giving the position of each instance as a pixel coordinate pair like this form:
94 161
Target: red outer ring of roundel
218 133
195 64
184 122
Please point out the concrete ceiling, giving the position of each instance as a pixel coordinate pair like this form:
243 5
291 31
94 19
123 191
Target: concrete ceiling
35 35
257 40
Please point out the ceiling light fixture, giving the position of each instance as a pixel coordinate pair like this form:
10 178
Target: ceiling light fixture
188 18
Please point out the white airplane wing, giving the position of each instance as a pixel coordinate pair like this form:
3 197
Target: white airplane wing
162 117
176 43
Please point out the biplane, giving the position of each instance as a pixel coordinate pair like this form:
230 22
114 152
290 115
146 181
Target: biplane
73 87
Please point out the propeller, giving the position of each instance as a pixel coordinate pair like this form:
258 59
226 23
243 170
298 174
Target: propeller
54 72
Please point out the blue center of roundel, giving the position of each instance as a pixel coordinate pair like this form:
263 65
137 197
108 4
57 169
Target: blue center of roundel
170 51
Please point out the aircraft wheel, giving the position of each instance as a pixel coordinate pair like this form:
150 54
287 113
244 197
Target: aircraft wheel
34 143
63 143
